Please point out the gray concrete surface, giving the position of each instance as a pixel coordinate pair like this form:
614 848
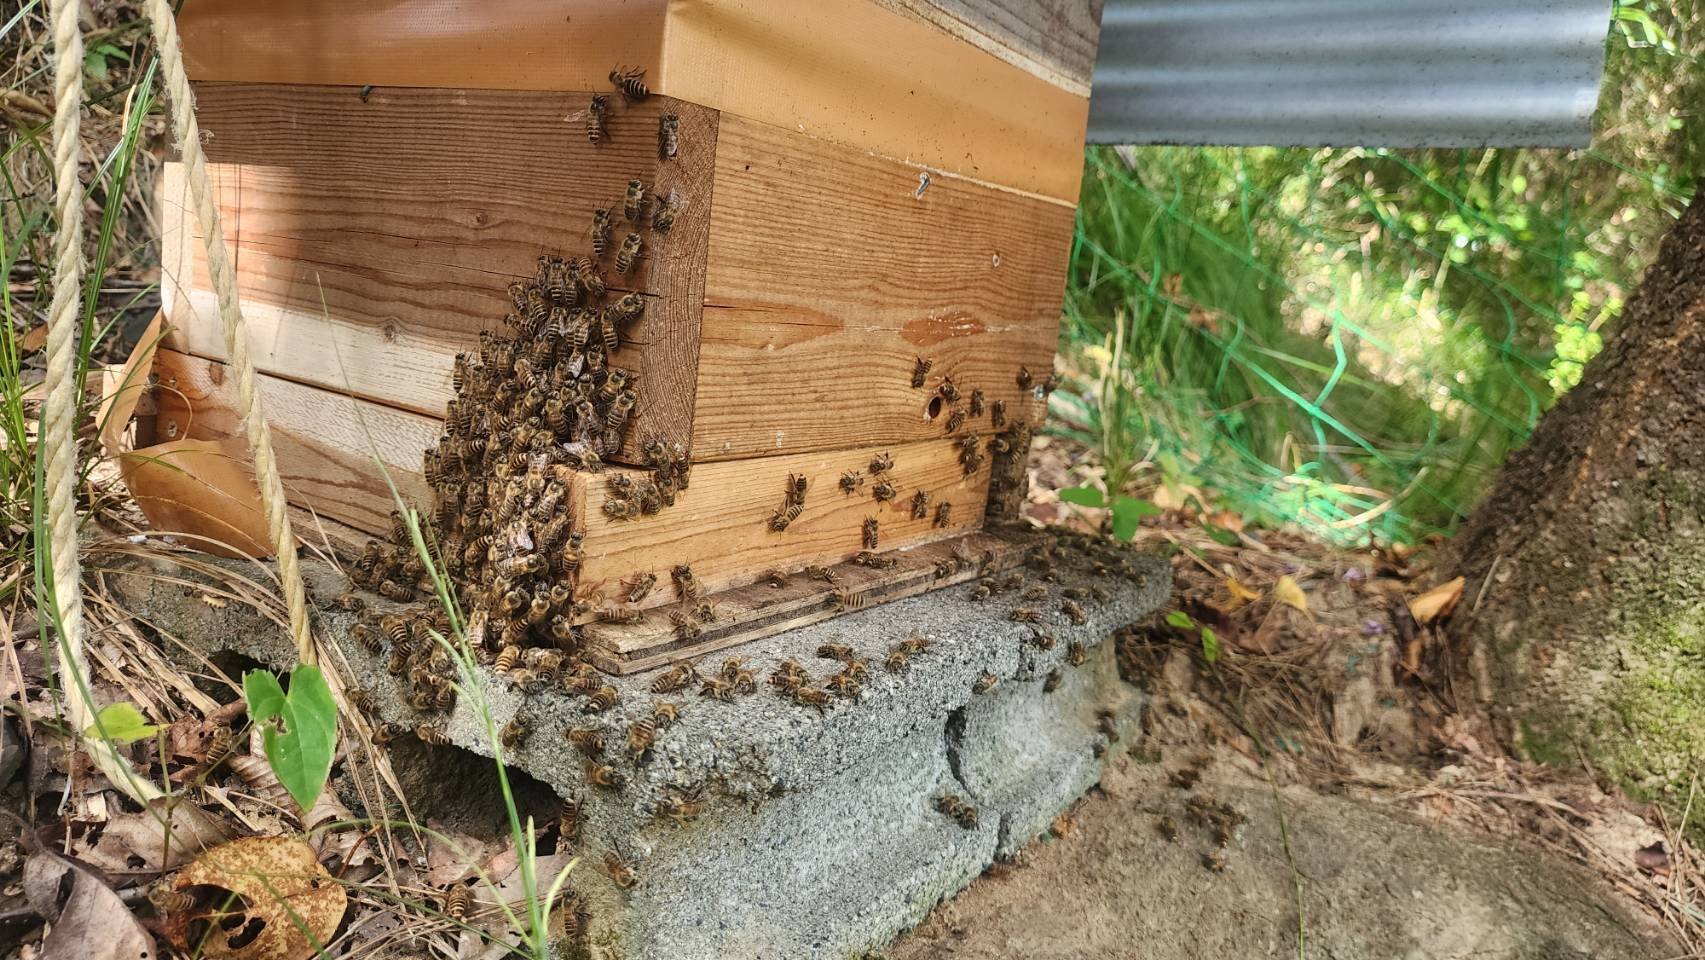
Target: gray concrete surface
821 838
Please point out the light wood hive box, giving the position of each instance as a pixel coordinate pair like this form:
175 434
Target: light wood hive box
863 183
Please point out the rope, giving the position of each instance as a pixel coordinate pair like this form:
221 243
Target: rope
59 412
224 281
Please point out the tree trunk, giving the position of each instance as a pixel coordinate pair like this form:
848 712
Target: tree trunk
1589 639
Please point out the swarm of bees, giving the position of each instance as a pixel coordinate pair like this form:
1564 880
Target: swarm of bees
793 502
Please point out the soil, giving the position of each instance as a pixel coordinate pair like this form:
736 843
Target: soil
1373 883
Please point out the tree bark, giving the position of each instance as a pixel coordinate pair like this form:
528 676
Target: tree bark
1588 640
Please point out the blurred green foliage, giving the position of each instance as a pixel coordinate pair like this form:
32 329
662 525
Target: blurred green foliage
1352 340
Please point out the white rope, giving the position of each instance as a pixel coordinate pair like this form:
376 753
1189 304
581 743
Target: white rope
219 271
57 437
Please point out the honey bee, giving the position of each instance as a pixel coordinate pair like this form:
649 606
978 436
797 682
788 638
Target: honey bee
397 630
167 900
1051 384
642 734
433 734
629 308
687 626
628 253
664 714
668 135
399 592
852 480
663 215
977 403
1038 592
883 491
944 514
920 505
684 807
982 591
631 83
920 371
1053 682
835 651
865 558
587 740
717 688
386 732
896 660
871 537
674 679
1074 611
955 420
824 574
776 579
506 659
633 202
739 676
1025 379
515 731
811 697
601 699
1075 654
915 644
604 775
687 586
640 586
349 602
883 463
1024 615
368 637
985 683
597 118
589 277
621 872
847 600
568 820
843 684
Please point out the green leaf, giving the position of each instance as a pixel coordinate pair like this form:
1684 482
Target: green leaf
1181 620
121 723
1210 645
95 65
1128 512
1083 496
299 729
1221 535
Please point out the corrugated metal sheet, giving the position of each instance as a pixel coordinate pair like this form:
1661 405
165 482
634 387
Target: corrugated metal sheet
1401 73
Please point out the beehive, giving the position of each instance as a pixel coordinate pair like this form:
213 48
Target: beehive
864 188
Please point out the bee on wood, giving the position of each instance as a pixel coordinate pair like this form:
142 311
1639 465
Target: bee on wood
568 820
882 463
604 775
642 734
668 136
664 714
883 491
997 414
601 700
920 505
589 277
949 392
851 480
687 626
633 202
628 253
1074 611
896 660
977 403
587 740
515 731
1024 615
640 586
687 586
433 734
955 420
848 600
824 574
865 558
843 684
667 208
943 514
985 682
601 226
920 371
871 536
1025 379
776 579
631 83
674 679
1051 384
597 118
835 651
1075 654
628 309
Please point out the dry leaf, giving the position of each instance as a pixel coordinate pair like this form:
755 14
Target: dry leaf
122 387
1226 520
1288 593
89 921
194 488
287 907
1241 593
167 835
33 339
1653 859
1437 602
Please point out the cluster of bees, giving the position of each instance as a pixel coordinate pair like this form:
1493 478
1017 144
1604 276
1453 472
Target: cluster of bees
958 808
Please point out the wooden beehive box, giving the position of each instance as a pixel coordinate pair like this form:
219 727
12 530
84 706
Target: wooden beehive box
863 183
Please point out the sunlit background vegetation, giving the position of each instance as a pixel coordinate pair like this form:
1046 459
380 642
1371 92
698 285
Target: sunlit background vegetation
1352 340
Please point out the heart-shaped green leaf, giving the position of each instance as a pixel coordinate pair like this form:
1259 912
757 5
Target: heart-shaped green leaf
299 729
1128 512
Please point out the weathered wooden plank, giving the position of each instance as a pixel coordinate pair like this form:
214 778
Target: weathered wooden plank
853 71
325 443
760 610
1053 39
720 525
375 240
831 271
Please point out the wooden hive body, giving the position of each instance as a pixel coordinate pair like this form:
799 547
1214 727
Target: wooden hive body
863 185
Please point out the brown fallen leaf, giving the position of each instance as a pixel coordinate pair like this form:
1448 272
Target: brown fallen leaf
1653 859
168 834
89 921
1437 602
286 906
1288 593
33 339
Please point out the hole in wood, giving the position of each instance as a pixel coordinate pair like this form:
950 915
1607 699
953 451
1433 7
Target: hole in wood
932 409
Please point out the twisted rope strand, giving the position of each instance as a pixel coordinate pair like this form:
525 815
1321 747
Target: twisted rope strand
59 412
224 281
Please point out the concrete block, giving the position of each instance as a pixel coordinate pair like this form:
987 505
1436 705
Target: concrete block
821 838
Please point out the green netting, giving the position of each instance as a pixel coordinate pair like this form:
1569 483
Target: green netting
1353 340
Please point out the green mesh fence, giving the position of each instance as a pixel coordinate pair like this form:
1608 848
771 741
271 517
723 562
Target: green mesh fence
1352 340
